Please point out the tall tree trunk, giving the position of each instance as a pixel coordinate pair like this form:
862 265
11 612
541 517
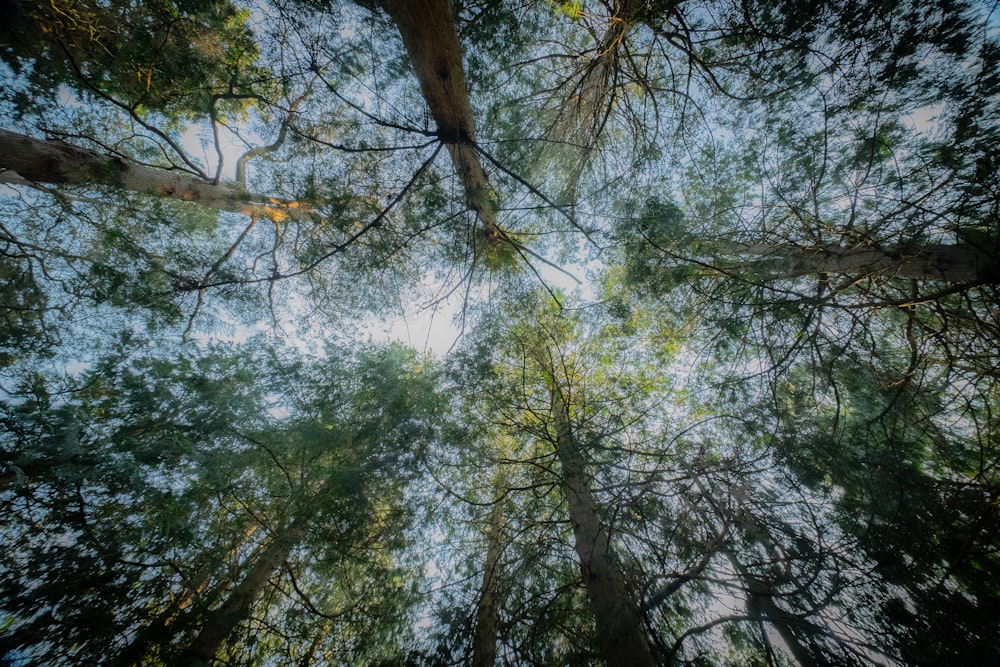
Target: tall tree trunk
484 642
761 605
430 36
760 591
161 629
32 162
224 619
619 621
580 121
582 118
958 263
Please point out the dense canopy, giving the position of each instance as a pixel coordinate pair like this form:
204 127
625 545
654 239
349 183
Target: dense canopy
712 376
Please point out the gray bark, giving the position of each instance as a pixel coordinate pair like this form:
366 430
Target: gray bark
484 642
761 592
761 605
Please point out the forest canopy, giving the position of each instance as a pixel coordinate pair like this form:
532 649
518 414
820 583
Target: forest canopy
714 372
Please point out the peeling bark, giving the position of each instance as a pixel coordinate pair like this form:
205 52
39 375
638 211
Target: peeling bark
33 162
430 36
619 621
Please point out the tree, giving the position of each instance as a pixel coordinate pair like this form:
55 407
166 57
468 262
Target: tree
667 510
545 363
763 432
887 456
260 489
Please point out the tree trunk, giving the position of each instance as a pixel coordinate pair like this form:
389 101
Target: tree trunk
582 117
761 605
619 621
430 36
760 592
28 161
223 620
484 642
161 630
959 263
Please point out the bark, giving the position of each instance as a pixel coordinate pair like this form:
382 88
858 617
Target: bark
582 117
484 642
235 609
33 162
580 120
159 630
430 36
959 263
619 621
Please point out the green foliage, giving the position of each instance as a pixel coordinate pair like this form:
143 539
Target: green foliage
158 56
876 148
573 9
911 494
648 237
182 463
22 312
794 460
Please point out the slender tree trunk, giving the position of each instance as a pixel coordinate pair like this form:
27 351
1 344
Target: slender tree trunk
32 162
484 642
430 36
308 658
223 620
582 118
161 629
760 592
958 263
619 621
761 604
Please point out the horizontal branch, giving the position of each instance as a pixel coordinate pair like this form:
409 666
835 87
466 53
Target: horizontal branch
953 263
32 162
